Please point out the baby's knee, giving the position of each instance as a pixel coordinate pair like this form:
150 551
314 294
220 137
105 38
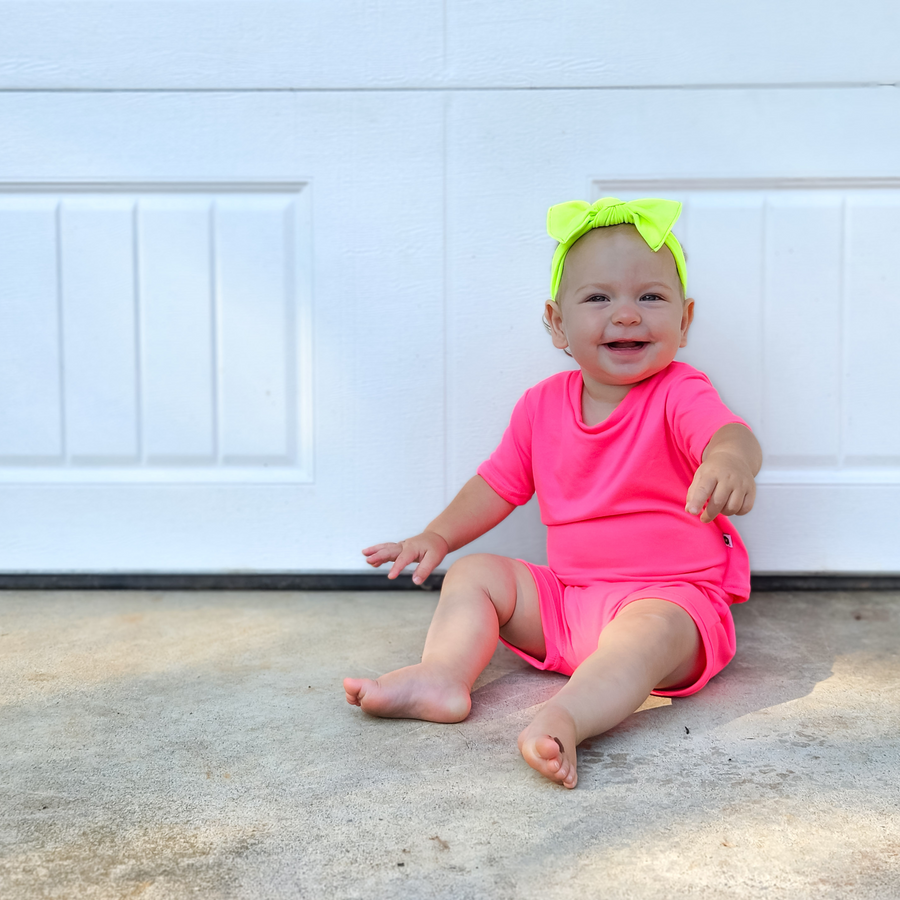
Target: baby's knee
477 568
661 616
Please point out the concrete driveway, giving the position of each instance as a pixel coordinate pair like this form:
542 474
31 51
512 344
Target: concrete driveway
174 745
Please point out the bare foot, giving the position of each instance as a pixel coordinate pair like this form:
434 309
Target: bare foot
414 692
548 745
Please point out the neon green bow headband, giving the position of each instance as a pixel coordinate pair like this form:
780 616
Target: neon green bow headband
566 222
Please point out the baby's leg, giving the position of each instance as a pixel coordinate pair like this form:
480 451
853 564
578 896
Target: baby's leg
482 595
650 644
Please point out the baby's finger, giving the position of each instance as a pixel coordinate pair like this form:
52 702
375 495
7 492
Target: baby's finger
381 553
404 558
698 493
368 551
733 505
429 563
738 503
719 501
391 549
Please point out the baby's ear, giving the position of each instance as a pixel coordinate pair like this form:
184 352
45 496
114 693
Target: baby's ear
553 320
687 316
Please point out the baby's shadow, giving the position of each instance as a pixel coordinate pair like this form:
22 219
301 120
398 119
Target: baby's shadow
787 644
509 685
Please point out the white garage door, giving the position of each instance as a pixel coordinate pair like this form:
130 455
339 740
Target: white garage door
271 282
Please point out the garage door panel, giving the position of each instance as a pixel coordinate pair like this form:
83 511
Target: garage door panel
723 239
293 323
804 268
838 528
585 43
30 365
239 44
97 287
871 324
464 43
254 263
180 327
176 330
276 328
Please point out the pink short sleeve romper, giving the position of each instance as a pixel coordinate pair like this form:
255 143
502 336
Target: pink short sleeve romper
612 497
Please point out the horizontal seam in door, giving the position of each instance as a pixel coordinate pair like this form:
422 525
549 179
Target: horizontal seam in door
787 86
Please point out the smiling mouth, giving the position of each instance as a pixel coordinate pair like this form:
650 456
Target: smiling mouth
626 345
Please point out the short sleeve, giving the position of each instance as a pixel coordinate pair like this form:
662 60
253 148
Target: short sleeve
695 412
508 469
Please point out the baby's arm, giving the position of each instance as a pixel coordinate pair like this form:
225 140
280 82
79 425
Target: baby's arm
725 476
476 509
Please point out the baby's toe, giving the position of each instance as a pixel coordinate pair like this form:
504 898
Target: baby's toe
549 750
568 774
353 688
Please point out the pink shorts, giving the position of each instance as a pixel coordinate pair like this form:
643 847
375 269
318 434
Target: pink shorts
573 618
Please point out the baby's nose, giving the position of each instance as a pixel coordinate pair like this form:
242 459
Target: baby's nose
626 314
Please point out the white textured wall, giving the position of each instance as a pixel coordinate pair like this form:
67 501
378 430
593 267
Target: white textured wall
271 274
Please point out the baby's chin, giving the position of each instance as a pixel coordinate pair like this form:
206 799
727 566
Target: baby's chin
626 374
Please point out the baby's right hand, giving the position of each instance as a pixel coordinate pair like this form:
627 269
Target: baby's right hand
428 549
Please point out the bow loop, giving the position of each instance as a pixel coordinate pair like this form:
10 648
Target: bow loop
653 218
565 219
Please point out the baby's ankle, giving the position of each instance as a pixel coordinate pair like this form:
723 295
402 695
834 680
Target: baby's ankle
443 670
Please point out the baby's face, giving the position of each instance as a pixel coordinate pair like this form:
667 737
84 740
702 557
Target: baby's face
619 308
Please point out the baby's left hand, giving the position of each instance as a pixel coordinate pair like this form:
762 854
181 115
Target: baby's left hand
726 481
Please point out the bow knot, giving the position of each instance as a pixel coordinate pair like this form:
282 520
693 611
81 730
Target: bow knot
653 219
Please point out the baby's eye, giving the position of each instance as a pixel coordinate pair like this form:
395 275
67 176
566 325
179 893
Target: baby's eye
651 297
597 298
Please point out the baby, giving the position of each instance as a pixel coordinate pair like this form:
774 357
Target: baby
636 462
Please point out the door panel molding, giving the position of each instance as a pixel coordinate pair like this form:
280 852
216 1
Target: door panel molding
172 340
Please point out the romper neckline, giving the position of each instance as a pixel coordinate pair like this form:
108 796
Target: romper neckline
576 386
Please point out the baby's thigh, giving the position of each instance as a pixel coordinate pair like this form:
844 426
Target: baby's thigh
510 586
